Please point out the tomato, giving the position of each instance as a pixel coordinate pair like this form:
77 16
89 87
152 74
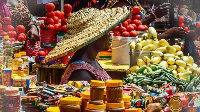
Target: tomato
20 29
125 23
0 26
146 27
130 27
186 29
1 31
117 33
197 25
111 31
8 28
49 21
58 14
4 34
129 21
135 27
141 28
7 20
135 10
46 51
50 27
66 15
56 20
126 34
57 27
49 7
136 17
64 28
136 22
67 8
181 25
41 53
42 26
63 22
139 23
116 29
50 14
62 15
12 34
122 29
133 33
180 19
21 37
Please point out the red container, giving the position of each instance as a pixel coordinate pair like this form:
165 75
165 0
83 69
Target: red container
48 36
65 60
192 109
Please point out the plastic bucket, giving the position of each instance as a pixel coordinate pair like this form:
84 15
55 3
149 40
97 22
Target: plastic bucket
121 49
48 36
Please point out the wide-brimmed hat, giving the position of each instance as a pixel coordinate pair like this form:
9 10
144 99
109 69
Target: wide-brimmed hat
85 26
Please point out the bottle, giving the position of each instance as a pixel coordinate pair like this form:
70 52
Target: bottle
8 51
17 64
25 66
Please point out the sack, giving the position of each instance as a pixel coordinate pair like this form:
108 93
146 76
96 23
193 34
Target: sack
190 48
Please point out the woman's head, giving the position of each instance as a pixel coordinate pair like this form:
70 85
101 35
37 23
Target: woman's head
102 43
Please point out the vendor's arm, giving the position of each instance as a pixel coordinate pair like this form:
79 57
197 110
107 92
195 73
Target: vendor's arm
33 33
80 75
175 32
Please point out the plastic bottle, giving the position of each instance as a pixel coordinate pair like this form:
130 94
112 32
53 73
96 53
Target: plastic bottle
8 51
17 64
25 66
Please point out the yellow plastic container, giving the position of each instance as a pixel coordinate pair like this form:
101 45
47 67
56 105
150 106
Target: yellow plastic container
115 107
70 104
53 109
127 103
96 108
85 98
25 67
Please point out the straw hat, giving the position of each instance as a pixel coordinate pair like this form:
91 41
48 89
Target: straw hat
86 26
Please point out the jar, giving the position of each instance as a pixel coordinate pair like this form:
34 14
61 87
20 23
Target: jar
127 103
70 104
115 107
141 103
96 92
133 110
104 96
53 109
85 97
96 108
2 90
114 91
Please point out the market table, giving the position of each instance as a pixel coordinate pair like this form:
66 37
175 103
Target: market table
52 73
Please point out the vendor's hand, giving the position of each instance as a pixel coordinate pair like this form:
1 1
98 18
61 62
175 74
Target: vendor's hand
33 35
162 10
153 107
175 32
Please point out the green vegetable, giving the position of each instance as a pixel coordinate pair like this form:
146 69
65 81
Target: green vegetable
141 69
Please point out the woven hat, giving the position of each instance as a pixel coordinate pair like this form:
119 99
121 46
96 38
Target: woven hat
85 26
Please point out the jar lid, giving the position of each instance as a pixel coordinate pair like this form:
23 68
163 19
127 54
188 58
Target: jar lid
126 98
133 110
23 53
70 100
6 37
114 83
53 109
115 105
96 107
17 55
97 83
85 95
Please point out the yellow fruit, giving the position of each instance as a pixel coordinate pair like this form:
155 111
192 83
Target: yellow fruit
189 67
179 54
171 61
132 45
138 46
164 63
177 58
191 60
140 62
180 69
170 49
155 60
150 41
184 75
162 49
134 68
152 34
138 40
155 45
173 67
146 59
167 56
175 73
157 53
163 43
177 47
144 36
181 63
144 43
148 47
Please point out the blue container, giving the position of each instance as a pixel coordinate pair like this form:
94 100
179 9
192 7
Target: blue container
198 109
41 58
51 62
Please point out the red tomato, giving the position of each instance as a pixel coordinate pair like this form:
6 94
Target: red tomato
197 25
181 25
125 23
146 27
180 19
136 10
122 29
129 21
66 15
49 7
136 22
46 51
50 27
4 34
57 27
42 26
136 17
8 28
133 33
49 21
7 20
0 26
58 14
12 34
67 8
141 28
116 29
117 33
56 20
135 27
62 15
111 31
186 29
126 34
1 31
64 28
130 27
50 14
20 29
63 22
21 37
41 53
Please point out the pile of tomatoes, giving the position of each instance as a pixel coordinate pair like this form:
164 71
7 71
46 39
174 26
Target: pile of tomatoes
56 20
7 29
181 23
129 27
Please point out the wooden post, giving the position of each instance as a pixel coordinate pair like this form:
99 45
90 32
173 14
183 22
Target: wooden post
62 5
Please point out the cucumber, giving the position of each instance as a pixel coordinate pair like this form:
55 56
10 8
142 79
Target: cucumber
141 69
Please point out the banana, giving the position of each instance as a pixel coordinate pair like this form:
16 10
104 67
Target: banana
170 49
148 47
138 46
132 45
162 49
181 63
134 68
164 63
173 67
177 47
140 62
179 54
171 61
155 60
180 69
152 34
167 56
144 36
155 45
157 53
163 43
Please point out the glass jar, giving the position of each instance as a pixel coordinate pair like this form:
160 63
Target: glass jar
114 91
127 103
96 92
53 109
96 108
85 97
115 107
70 104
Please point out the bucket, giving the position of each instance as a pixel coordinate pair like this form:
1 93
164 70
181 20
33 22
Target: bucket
121 49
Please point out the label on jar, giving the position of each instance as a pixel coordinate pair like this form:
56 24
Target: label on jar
175 104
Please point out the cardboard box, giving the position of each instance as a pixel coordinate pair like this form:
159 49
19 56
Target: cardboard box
26 82
6 77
